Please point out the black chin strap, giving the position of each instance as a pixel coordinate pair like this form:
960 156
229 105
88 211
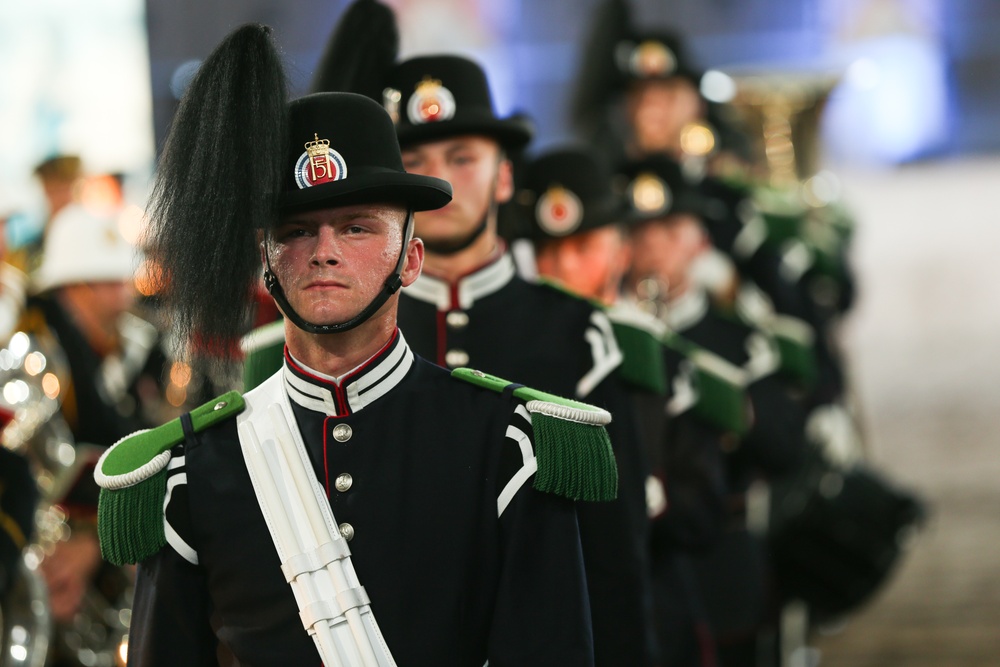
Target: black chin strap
391 285
448 248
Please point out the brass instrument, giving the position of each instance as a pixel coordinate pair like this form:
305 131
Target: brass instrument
781 114
32 377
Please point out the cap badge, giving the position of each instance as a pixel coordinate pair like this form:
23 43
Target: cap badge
319 164
559 211
650 58
431 102
390 102
649 194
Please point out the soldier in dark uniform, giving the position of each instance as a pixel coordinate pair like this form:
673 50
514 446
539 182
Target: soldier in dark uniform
733 575
578 224
639 95
110 368
434 479
470 307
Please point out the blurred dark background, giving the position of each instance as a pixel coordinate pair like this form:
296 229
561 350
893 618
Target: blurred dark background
928 65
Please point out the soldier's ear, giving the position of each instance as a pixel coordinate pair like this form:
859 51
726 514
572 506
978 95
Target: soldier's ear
414 262
505 180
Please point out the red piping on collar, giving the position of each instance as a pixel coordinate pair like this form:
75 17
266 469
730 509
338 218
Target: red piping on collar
339 394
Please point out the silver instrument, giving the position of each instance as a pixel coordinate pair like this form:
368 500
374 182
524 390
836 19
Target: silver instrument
33 376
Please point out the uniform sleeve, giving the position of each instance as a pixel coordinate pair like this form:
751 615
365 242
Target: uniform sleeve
615 542
542 615
170 614
170 624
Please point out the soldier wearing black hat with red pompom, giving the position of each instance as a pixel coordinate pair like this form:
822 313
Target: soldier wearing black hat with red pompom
359 482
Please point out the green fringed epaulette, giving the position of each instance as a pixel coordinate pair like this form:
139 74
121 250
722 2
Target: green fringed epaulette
642 365
796 345
794 338
263 353
722 395
132 475
572 448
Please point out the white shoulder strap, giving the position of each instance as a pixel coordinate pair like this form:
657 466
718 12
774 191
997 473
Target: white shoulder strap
315 558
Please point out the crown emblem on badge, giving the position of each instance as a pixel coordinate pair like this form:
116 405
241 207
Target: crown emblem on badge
649 194
650 58
430 103
559 211
319 164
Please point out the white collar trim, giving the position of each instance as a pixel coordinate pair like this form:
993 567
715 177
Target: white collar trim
354 390
469 289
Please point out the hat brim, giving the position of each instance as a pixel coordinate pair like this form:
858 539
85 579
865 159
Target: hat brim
418 193
683 205
513 132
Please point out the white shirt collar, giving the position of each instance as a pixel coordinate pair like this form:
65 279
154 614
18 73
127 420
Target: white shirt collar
687 310
463 293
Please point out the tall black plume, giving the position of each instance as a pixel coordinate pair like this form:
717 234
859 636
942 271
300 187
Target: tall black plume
361 50
216 185
599 79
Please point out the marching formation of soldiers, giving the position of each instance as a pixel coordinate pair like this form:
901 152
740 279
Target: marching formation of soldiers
582 406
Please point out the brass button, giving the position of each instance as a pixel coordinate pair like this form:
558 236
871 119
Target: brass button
342 432
457 319
343 482
347 531
455 358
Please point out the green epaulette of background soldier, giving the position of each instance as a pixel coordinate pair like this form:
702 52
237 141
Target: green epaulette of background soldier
263 353
795 338
572 450
810 234
638 336
642 352
714 389
720 386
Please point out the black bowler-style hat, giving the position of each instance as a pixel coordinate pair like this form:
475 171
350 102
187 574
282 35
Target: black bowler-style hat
343 150
656 187
568 191
441 96
655 55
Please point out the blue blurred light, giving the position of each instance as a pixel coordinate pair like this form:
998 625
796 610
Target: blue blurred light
892 104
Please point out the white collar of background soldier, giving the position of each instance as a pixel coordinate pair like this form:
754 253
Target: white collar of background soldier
392 283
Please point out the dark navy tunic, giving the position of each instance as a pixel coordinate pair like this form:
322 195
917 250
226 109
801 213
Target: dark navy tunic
494 320
462 559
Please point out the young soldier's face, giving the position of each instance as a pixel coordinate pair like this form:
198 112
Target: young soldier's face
659 110
332 262
666 249
590 264
478 174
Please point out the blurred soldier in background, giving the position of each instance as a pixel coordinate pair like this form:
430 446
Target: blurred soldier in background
638 94
470 307
113 385
579 227
61 177
667 245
